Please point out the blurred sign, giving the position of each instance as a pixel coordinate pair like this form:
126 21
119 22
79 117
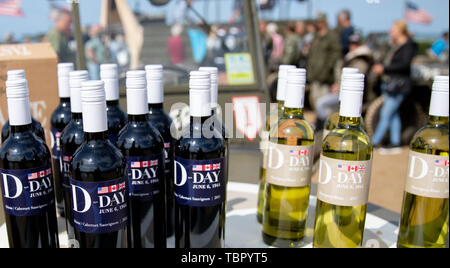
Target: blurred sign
239 68
247 114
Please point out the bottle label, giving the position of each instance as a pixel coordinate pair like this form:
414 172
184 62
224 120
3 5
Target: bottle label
427 175
289 166
144 176
325 133
99 207
27 192
199 183
344 183
168 151
263 146
55 143
66 173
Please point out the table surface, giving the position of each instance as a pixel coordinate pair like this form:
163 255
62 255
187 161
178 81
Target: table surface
243 230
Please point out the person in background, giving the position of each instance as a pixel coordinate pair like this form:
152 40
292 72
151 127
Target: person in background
95 52
119 51
439 49
267 41
8 39
278 46
27 39
175 45
395 72
60 34
290 51
238 8
324 53
345 29
359 56
300 30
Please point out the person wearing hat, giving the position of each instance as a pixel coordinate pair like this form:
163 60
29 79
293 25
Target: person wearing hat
323 55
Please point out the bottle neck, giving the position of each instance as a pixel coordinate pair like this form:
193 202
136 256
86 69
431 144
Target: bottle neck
112 103
98 136
20 129
155 107
293 113
438 120
198 119
346 122
65 102
77 116
137 117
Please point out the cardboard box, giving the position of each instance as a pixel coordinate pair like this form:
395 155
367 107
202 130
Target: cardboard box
40 64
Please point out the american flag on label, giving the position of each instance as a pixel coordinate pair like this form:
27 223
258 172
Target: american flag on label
441 163
351 168
40 174
111 189
143 164
207 167
299 152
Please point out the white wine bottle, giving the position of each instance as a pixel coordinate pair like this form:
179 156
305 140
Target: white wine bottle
289 169
275 112
424 216
344 174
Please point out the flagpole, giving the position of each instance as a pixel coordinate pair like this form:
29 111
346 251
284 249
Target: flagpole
81 59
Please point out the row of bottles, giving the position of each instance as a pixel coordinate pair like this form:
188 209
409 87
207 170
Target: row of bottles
120 181
345 170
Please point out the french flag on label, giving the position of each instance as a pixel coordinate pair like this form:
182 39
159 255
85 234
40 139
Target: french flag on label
111 189
207 167
441 163
40 174
351 168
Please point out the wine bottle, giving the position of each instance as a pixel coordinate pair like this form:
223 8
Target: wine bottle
35 124
275 112
332 120
117 118
71 139
424 216
161 121
26 177
200 182
59 120
143 148
99 189
344 174
289 169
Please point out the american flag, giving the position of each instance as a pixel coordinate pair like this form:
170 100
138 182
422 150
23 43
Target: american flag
441 163
139 164
111 189
207 167
415 14
299 152
351 168
40 174
10 8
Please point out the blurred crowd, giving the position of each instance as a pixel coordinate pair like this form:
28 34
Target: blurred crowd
100 47
324 52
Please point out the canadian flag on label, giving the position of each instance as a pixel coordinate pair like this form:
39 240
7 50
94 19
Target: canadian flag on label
247 115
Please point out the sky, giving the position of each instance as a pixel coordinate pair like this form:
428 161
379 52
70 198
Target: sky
368 15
